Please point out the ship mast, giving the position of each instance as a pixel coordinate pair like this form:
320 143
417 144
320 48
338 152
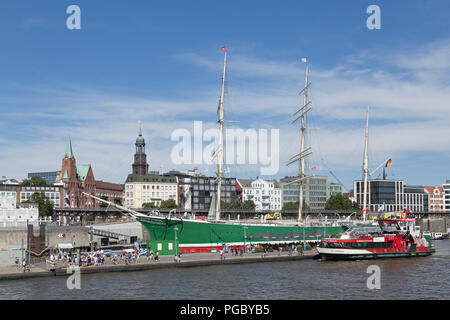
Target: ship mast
219 151
366 165
301 114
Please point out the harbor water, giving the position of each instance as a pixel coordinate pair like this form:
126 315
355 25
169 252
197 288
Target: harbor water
400 278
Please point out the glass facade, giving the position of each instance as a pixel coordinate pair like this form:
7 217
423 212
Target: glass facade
49 177
382 192
446 188
316 191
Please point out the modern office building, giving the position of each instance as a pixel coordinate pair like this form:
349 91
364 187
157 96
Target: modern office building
266 194
334 189
196 191
316 191
49 176
391 195
446 188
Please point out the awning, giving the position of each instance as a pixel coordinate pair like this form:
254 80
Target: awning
65 246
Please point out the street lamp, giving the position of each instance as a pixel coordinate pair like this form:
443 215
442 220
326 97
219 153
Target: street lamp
176 247
245 237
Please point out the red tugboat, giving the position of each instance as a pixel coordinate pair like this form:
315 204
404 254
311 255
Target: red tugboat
395 236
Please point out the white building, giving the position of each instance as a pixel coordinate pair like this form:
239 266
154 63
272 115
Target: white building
11 214
265 194
140 189
436 199
446 188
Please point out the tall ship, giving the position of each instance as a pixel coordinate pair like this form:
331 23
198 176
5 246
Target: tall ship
190 234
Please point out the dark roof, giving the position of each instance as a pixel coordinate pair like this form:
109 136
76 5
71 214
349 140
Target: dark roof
150 178
108 186
247 183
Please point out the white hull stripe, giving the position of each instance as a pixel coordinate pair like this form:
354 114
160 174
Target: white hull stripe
343 251
206 245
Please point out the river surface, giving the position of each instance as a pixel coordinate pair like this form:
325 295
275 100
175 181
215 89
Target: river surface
401 278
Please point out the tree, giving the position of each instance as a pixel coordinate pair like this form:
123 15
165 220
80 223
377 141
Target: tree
294 206
248 205
339 202
34 181
149 205
44 204
168 204
235 205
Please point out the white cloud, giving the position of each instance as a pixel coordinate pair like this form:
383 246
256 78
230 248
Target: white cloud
409 112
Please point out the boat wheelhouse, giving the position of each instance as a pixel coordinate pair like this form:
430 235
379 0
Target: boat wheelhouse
393 237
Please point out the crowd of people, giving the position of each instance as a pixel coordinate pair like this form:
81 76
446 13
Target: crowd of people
293 248
100 257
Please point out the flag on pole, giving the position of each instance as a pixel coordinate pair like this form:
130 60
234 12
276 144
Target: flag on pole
313 168
224 48
389 163
195 168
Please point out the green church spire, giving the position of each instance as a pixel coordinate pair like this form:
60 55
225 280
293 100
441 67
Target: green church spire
69 152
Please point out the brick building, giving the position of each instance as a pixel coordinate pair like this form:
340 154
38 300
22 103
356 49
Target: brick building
80 178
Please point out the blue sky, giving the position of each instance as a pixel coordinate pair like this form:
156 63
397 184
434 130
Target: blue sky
161 63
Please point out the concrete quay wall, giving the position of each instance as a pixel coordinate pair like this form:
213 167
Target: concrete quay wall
11 238
154 265
436 225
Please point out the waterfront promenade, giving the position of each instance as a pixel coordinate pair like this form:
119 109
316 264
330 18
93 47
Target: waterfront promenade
187 260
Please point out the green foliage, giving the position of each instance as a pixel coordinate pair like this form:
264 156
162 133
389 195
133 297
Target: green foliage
44 204
294 206
149 205
248 205
339 202
168 204
34 181
235 205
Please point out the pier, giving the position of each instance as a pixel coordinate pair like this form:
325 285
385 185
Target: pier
187 261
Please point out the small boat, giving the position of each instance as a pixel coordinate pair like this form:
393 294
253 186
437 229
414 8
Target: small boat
394 237
437 236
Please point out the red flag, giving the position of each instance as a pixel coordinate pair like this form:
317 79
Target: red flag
224 48
313 168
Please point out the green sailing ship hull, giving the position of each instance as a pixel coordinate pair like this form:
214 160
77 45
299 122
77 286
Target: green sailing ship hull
203 236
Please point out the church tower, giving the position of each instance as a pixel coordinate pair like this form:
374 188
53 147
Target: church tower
140 165
69 164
